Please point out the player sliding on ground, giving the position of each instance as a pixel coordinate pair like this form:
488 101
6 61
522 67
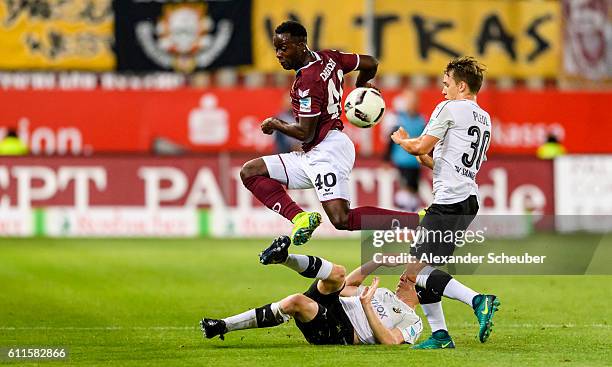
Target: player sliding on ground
336 309
459 132
329 155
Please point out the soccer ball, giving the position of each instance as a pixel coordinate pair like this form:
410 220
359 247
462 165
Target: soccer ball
364 107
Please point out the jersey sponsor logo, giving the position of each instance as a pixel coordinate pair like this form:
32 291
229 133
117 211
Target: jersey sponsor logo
303 93
379 308
331 64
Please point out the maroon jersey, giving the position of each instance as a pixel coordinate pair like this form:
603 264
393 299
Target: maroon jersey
317 91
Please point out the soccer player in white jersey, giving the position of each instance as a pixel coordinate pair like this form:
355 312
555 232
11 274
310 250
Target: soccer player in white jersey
459 133
336 309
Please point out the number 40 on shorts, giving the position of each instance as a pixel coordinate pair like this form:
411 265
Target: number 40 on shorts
327 180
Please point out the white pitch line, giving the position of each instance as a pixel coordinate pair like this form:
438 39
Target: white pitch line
460 326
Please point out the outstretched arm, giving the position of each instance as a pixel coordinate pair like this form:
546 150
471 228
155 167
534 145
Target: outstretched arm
381 333
417 146
357 276
304 130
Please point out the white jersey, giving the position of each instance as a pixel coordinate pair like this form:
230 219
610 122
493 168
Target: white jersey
464 130
392 312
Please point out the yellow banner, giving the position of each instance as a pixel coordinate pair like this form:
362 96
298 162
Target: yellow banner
513 38
56 34
330 24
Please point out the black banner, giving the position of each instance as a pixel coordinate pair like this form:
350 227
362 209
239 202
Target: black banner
182 35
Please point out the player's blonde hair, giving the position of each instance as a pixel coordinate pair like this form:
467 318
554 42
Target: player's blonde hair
467 69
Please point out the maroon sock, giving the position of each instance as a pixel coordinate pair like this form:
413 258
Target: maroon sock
370 217
272 194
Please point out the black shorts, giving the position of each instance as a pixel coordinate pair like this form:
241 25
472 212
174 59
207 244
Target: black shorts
331 325
443 222
410 177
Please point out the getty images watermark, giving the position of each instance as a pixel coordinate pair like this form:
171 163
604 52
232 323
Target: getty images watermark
492 244
435 240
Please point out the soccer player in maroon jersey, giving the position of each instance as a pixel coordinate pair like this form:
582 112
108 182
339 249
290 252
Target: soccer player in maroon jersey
328 154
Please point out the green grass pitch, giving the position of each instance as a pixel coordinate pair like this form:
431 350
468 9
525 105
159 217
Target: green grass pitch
138 302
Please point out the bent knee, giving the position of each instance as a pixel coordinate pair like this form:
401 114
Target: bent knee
294 303
254 167
338 274
340 221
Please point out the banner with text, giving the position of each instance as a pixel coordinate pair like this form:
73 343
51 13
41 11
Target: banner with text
216 120
53 34
513 38
187 196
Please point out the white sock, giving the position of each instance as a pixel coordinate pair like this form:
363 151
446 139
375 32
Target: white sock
435 316
310 266
296 262
455 290
245 320
423 275
248 319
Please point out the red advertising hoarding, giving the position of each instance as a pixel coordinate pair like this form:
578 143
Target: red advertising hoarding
214 120
507 186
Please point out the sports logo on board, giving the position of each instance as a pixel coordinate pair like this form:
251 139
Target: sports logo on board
182 35
183 38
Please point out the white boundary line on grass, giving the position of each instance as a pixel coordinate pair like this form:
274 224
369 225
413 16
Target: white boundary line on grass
460 326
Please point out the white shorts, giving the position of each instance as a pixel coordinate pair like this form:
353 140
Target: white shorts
326 167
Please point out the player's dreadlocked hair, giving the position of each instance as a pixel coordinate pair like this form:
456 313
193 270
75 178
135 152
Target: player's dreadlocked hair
292 27
468 70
